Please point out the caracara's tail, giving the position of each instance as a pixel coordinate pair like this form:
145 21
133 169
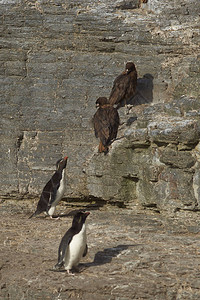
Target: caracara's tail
103 148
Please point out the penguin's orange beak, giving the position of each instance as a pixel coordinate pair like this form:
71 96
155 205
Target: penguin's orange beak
66 157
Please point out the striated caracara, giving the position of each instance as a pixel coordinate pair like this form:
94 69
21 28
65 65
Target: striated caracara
124 86
106 123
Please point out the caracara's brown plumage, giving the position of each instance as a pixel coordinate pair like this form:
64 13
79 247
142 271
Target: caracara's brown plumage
124 86
106 123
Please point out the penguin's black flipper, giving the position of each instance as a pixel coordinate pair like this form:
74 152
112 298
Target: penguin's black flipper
63 248
53 194
55 183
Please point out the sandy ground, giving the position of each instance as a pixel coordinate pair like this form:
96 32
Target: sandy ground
132 255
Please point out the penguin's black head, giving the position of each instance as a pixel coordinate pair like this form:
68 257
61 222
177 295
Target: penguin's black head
79 219
61 163
130 67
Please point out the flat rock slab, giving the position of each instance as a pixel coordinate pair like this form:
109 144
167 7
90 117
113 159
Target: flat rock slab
132 255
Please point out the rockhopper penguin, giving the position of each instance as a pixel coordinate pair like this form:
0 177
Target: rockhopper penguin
73 245
53 190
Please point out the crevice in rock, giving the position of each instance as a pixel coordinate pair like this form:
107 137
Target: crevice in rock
89 202
138 146
152 206
92 202
125 5
19 141
162 144
119 204
188 147
131 177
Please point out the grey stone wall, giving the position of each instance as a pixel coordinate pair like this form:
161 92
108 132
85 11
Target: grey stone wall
57 57
156 162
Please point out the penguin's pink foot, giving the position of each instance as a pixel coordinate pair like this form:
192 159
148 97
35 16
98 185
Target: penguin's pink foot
69 272
57 218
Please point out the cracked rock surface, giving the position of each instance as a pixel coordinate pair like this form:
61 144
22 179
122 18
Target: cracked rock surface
57 57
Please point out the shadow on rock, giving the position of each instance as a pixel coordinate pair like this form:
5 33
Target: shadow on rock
106 256
131 120
100 258
72 212
144 91
88 207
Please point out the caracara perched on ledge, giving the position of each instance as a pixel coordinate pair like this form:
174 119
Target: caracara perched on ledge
124 86
106 123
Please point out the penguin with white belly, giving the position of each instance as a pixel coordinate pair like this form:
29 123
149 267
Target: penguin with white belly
53 191
73 245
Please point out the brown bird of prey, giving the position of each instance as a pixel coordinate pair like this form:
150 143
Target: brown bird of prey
124 86
106 123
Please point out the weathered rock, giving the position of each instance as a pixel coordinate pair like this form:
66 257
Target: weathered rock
177 159
57 57
155 166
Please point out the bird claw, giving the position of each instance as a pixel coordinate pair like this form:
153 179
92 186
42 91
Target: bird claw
69 272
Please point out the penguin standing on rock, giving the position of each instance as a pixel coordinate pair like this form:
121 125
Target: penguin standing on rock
73 245
53 190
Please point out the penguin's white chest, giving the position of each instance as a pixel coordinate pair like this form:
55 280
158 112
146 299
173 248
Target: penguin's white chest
76 249
61 188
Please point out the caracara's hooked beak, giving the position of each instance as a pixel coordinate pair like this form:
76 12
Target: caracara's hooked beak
125 72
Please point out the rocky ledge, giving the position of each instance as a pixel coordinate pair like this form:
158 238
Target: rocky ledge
155 161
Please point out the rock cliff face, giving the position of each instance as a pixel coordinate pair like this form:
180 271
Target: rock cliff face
57 57
156 162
